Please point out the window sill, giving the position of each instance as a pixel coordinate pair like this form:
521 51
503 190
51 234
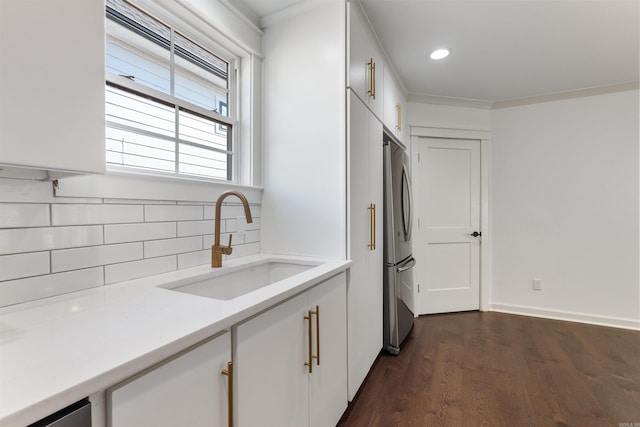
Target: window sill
130 185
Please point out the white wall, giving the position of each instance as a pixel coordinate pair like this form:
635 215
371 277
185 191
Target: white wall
564 208
304 201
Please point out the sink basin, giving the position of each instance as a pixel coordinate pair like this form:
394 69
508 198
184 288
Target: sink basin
238 282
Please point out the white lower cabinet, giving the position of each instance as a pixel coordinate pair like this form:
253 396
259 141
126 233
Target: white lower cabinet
275 385
188 390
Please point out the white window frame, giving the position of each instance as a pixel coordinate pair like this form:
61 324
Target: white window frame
179 26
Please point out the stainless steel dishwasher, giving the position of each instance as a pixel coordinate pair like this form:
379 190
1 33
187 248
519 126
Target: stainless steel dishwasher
76 415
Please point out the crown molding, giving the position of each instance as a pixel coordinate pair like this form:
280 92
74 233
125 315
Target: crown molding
549 97
445 100
291 11
570 94
246 15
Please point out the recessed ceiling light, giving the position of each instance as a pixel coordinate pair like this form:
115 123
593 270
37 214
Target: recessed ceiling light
439 53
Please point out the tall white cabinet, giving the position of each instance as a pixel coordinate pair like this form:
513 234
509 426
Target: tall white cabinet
324 106
304 198
365 296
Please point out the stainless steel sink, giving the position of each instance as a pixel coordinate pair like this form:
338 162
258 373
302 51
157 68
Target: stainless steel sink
236 283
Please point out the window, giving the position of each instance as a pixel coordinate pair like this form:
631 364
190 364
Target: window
167 99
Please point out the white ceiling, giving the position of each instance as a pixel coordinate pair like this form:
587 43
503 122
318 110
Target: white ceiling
503 49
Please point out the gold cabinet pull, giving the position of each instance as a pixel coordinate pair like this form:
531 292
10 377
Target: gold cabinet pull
229 373
399 118
374 226
374 79
371 67
309 364
317 313
371 210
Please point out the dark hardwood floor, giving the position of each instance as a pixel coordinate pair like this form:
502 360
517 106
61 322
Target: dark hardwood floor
494 369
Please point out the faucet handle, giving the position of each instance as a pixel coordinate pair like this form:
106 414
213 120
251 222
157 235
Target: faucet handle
228 249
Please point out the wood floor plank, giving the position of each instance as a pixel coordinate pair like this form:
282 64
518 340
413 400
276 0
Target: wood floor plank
494 369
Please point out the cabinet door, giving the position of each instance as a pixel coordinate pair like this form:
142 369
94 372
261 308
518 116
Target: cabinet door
364 292
186 391
52 84
365 64
394 107
272 385
328 381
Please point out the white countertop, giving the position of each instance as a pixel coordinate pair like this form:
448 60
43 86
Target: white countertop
56 351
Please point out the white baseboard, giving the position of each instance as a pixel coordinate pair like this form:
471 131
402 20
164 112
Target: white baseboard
615 322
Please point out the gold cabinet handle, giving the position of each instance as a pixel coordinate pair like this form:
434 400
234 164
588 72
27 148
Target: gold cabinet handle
229 373
399 119
374 80
309 364
374 226
371 67
371 210
317 313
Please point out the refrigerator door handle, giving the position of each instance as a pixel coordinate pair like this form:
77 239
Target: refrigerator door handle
411 262
407 211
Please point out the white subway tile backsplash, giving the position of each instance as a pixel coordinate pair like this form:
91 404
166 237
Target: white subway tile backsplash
231 225
29 191
245 250
237 239
24 265
255 225
73 259
135 269
95 214
230 211
137 202
120 233
156 248
20 240
156 213
51 245
210 212
195 228
235 224
17 291
252 236
24 215
193 259
76 200
25 191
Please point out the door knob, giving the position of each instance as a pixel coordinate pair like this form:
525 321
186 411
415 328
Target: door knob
475 234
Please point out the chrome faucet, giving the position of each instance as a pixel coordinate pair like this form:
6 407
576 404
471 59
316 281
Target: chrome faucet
217 250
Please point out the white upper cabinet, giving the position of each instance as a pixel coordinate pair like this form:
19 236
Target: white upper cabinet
52 85
394 107
366 68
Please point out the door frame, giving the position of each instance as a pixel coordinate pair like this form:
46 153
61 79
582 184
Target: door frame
418 132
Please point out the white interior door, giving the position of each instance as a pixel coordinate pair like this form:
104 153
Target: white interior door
447 193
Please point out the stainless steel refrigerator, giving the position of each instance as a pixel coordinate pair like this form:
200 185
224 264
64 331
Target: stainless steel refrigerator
398 254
